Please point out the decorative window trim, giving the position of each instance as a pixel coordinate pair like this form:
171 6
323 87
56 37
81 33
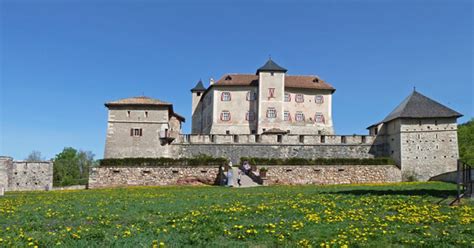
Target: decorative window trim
271 92
250 116
223 116
226 96
301 114
286 116
319 99
319 118
299 98
287 97
271 113
251 96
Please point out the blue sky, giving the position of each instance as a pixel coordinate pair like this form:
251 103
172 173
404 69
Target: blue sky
61 60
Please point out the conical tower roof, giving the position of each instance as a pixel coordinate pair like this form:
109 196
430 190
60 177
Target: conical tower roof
271 66
199 87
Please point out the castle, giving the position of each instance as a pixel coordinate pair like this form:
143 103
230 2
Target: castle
273 114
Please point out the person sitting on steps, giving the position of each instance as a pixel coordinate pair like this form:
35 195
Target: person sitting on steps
247 167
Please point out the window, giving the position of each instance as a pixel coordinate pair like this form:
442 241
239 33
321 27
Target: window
225 115
225 96
135 132
251 96
319 99
271 113
128 113
287 97
286 116
146 114
271 92
279 138
319 118
299 116
299 98
250 116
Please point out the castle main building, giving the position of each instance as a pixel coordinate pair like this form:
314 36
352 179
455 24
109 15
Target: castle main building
269 101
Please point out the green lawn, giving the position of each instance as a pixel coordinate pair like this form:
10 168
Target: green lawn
390 215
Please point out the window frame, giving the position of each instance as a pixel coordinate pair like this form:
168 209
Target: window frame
299 113
299 98
223 96
319 99
250 114
286 116
287 97
223 112
271 110
319 116
271 92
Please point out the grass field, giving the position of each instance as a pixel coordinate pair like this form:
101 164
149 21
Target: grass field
392 215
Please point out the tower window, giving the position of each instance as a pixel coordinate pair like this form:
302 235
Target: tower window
271 113
135 132
225 96
319 99
198 93
271 92
299 98
225 115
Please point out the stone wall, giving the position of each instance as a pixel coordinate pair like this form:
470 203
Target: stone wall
334 174
236 151
100 177
22 175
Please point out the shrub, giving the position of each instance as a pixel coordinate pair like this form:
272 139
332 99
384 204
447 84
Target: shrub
319 161
156 162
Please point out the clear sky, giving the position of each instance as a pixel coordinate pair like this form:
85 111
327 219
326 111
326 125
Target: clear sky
61 60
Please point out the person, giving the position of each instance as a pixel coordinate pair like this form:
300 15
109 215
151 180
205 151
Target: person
239 177
246 167
230 180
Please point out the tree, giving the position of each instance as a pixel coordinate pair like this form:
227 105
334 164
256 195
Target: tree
34 156
71 167
466 142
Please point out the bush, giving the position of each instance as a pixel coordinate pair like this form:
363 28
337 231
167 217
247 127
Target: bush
319 161
156 162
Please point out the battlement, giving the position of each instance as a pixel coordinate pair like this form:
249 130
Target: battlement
275 139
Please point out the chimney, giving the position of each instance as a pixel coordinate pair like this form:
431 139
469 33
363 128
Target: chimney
211 81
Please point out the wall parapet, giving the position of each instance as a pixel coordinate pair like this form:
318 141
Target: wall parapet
274 139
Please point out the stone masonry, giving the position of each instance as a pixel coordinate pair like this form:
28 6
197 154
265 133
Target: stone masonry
22 175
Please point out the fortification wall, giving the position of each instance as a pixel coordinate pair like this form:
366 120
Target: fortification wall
337 174
101 177
30 176
22 175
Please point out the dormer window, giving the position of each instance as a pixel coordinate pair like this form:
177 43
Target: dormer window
319 99
299 98
228 77
225 96
316 80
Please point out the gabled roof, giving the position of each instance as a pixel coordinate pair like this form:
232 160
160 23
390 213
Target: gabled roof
302 82
271 66
417 105
199 87
144 101
138 100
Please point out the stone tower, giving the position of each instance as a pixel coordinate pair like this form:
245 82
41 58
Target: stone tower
197 92
271 92
420 134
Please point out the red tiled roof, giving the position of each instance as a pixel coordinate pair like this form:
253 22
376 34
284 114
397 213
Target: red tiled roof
304 82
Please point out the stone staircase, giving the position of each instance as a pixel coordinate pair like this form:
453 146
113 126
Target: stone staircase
245 181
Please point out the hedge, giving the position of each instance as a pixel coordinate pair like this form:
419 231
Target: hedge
318 161
156 162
